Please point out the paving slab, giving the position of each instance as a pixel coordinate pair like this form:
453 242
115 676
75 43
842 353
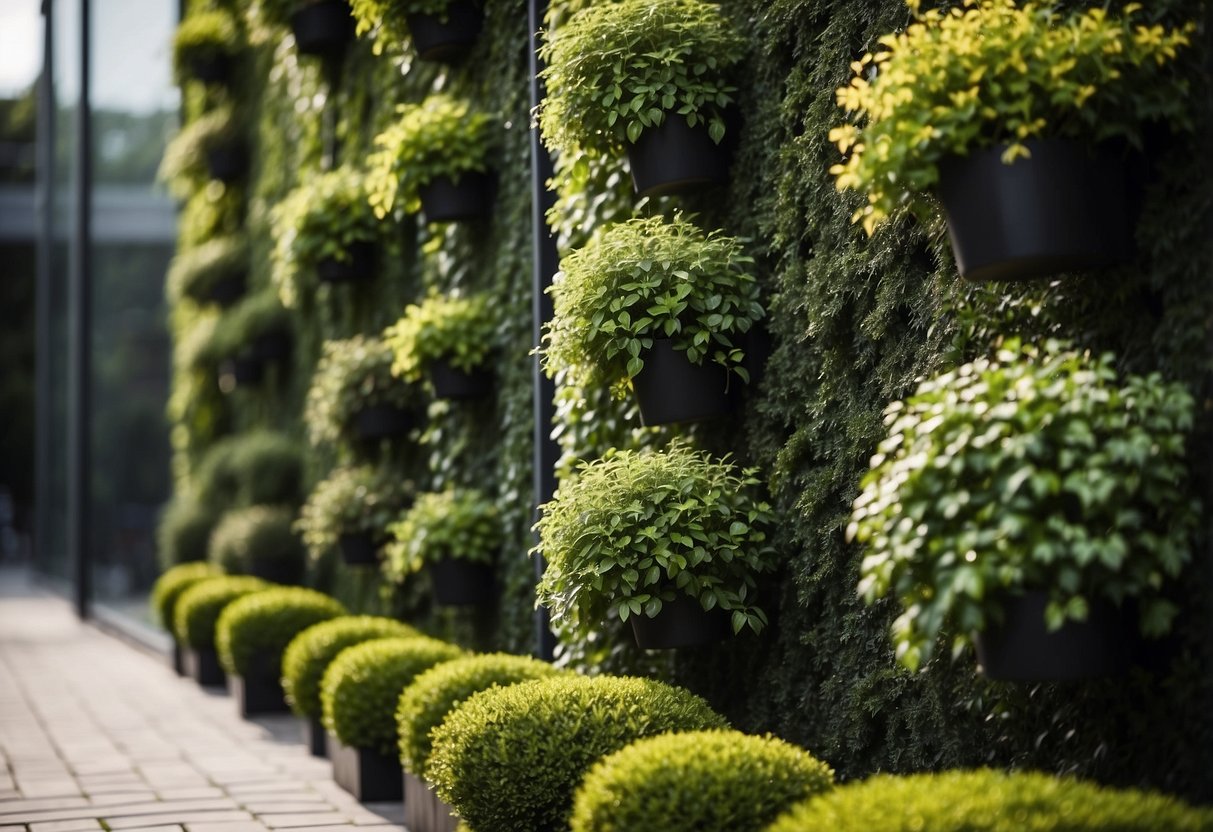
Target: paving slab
98 735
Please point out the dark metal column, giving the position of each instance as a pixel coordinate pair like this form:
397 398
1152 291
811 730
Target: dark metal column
543 247
44 409
79 410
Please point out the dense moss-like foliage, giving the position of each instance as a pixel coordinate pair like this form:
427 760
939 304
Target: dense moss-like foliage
510 758
432 695
309 653
261 625
199 607
361 687
990 801
699 781
172 583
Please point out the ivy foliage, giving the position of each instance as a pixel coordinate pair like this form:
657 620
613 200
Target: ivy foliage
386 21
617 69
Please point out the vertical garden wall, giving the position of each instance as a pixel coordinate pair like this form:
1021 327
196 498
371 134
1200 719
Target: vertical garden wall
853 321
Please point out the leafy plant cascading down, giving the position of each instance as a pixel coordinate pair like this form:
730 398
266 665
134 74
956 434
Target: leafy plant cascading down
460 330
352 374
1036 469
203 36
351 500
457 523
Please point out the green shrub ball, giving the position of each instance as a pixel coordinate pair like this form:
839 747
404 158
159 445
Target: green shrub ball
701 781
168 588
989 801
312 650
199 607
509 759
264 624
426 703
361 688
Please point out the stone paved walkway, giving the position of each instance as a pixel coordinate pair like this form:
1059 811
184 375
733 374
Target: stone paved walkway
96 734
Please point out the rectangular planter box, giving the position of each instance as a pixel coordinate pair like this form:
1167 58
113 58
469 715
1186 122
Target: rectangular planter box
260 690
424 811
314 736
202 665
178 658
367 775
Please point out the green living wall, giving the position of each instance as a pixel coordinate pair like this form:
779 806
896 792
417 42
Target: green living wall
852 322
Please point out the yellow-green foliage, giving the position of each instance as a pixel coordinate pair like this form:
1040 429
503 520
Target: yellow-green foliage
172 583
700 781
994 72
458 523
459 330
199 607
990 801
263 624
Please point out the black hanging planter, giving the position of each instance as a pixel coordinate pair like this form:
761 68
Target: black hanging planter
259 691
424 811
383 421
1064 209
446 41
358 549
315 737
671 389
681 623
247 370
444 199
210 69
277 568
367 775
273 347
227 290
459 582
673 158
451 382
1022 649
227 162
202 665
360 264
323 27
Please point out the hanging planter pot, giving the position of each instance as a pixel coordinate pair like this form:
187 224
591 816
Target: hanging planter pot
673 158
323 27
446 40
244 370
227 290
671 389
284 568
444 199
461 582
272 347
681 623
1066 208
383 421
359 265
358 549
1022 649
227 162
451 382
211 69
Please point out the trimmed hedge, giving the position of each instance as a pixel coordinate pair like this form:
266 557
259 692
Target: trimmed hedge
169 586
426 702
509 759
246 534
361 687
701 781
199 607
184 532
266 622
990 801
310 652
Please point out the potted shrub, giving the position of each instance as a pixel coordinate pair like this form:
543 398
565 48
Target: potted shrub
354 395
351 509
1025 501
194 620
959 801
441 30
448 341
660 306
258 541
320 27
184 531
456 535
254 335
425 704
697 781
358 693
251 634
671 540
510 758
209 147
433 158
212 272
252 468
204 46
648 77
325 231
308 655
167 590
1026 156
